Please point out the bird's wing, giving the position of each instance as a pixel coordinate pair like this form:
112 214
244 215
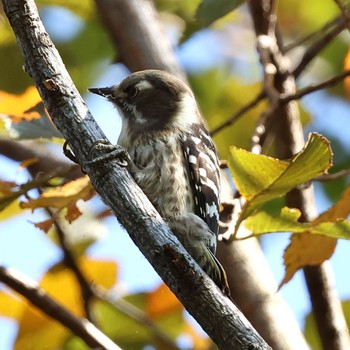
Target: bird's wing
203 164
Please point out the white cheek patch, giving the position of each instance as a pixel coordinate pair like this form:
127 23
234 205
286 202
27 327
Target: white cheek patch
187 112
144 85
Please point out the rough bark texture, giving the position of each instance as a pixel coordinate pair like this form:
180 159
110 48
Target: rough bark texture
149 232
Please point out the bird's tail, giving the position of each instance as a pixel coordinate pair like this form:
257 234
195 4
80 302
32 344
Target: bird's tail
211 266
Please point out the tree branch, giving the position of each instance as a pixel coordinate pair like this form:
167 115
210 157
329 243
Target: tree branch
289 137
251 104
39 298
146 228
142 45
314 49
314 87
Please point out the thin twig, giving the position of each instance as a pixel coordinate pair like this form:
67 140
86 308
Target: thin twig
90 291
268 51
312 36
69 260
334 176
81 327
345 12
318 46
251 104
315 87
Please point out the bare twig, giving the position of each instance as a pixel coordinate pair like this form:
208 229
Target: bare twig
314 87
316 35
334 176
81 327
270 56
69 260
251 104
90 291
289 137
314 49
344 8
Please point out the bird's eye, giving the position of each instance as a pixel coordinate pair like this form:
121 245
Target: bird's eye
132 91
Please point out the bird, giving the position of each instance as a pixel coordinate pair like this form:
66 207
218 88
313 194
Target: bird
174 160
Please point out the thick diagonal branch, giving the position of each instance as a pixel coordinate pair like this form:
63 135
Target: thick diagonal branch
144 225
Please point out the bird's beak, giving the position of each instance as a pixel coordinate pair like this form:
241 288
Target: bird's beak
107 92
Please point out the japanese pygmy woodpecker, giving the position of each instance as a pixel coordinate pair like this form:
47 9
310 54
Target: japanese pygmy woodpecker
174 159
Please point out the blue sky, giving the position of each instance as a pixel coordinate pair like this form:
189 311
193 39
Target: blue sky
25 247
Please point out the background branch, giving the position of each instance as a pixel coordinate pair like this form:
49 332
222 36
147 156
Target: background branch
289 137
39 298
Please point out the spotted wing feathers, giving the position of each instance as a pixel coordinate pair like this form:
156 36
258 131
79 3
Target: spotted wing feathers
203 163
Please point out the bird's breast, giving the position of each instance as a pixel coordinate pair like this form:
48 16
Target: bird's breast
163 175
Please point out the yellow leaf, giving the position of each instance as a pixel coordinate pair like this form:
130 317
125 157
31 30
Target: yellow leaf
161 302
340 210
306 249
101 272
11 210
17 106
36 331
10 306
61 197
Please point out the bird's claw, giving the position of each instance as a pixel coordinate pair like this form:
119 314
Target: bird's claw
110 152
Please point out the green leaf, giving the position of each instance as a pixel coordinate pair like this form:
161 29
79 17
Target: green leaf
287 221
337 229
211 10
284 221
130 333
254 173
260 178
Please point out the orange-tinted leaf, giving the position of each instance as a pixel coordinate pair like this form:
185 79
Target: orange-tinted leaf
340 210
306 249
73 213
36 331
347 79
45 225
17 106
199 342
28 162
61 197
162 301
6 188
9 192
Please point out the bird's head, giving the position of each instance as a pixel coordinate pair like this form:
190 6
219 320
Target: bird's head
152 100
